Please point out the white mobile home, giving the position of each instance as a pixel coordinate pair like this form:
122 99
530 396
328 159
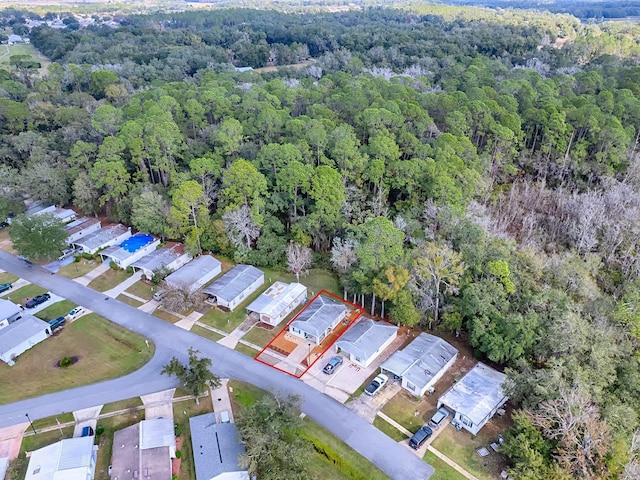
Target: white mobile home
195 274
318 319
235 286
366 340
19 336
278 301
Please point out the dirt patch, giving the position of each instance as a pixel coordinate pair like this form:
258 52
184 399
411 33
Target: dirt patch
266 326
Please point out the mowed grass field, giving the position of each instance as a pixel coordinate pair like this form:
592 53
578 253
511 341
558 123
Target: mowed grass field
105 351
6 51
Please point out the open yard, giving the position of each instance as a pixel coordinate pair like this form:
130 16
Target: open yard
126 404
128 300
242 348
443 470
261 336
6 277
20 295
109 279
104 349
166 316
78 269
403 407
6 51
142 290
460 446
388 429
206 333
58 309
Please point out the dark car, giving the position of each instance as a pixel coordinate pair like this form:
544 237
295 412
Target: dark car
420 437
376 385
332 365
5 286
87 431
37 300
57 323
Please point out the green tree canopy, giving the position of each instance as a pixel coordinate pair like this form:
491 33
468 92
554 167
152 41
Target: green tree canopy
38 237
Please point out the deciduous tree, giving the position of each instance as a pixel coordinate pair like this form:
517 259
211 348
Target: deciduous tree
299 259
195 375
38 237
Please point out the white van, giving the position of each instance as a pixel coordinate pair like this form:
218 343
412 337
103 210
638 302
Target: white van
159 295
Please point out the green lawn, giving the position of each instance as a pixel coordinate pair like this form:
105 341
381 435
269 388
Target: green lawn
121 405
402 409
388 429
28 291
51 421
182 411
58 309
105 351
78 269
166 316
109 279
261 336
461 448
443 470
206 333
6 277
142 290
242 348
111 425
128 300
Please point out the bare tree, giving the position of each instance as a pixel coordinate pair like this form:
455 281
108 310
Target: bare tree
299 259
343 256
181 298
632 469
240 227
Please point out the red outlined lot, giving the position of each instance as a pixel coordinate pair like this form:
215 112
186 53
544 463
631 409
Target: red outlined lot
294 355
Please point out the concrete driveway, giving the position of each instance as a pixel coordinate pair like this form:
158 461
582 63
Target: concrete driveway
54 299
87 417
368 407
159 404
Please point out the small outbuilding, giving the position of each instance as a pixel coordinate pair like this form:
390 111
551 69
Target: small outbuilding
231 289
318 319
216 449
421 363
476 398
144 450
195 274
366 340
172 256
69 459
278 301
19 336
103 238
9 313
131 250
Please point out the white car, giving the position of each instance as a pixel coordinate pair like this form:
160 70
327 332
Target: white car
376 385
75 313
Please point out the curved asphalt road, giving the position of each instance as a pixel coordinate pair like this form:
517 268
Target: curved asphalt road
392 458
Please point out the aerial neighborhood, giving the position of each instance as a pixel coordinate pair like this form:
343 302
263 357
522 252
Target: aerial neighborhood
297 240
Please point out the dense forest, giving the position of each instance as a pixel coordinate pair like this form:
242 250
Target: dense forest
465 170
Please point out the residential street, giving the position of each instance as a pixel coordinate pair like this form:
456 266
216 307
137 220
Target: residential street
395 460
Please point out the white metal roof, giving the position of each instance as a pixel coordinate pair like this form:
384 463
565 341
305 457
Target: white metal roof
365 337
19 331
421 360
98 238
477 394
277 298
68 459
8 309
157 432
159 258
234 282
319 315
193 272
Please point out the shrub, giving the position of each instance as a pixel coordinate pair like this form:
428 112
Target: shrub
99 430
66 362
113 266
130 270
87 256
178 429
178 454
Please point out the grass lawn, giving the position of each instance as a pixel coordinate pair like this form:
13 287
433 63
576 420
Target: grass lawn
6 277
443 470
166 316
461 448
127 404
182 411
51 421
337 460
388 429
142 290
402 409
109 279
261 336
105 351
28 291
110 426
242 348
78 269
206 333
58 309
129 301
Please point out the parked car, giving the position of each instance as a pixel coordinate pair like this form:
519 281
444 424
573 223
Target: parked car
5 286
420 437
439 417
57 323
332 365
376 385
67 252
159 295
37 300
75 313
87 431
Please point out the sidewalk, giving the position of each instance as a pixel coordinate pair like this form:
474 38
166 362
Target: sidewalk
96 272
121 287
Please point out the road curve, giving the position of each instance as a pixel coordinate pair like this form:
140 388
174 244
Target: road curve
392 458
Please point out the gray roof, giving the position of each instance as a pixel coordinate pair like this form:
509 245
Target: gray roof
97 239
193 271
319 315
159 258
8 309
366 337
37 206
421 360
69 459
158 432
234 282
19 331
80 224
215 446
477 394
277 298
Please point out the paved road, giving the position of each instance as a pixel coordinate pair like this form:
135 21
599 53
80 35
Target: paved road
395 460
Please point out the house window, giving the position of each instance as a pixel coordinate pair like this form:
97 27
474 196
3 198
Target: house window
411 387
466 421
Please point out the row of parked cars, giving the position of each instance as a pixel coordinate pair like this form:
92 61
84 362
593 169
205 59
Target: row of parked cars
426 431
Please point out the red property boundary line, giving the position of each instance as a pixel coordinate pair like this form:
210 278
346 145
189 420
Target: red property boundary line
358 309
